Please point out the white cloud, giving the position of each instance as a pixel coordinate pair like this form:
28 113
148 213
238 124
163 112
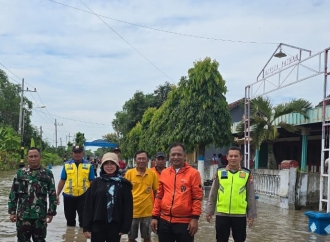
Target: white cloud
84 71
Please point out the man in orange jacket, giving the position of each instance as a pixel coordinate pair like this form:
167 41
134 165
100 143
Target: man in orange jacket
178 203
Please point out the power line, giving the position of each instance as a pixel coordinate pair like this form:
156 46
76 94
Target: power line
84 126
16 76
30 92
75 119
127 42
10 71
167 31
48 113
44 105
50 119
14 80
40 115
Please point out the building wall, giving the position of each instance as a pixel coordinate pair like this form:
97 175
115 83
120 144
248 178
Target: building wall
209 151
291 150
236 114
288 188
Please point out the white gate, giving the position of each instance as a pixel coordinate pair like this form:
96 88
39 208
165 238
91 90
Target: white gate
296 68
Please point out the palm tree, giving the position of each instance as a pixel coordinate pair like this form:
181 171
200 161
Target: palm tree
263 127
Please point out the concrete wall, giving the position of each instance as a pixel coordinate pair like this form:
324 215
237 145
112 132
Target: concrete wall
293 189
287 188
308 189
276 187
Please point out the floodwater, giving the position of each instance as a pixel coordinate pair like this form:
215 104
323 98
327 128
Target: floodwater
273 224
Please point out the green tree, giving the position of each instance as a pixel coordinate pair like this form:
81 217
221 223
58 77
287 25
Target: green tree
134 108
263 126
9 147
161 93
9 101
51 158
89 153
10 141
111 137
120 123
69 144
159 133
197 111
131 142
100 151
145 142
80 139
10 107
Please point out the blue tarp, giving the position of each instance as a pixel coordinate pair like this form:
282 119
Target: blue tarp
101 143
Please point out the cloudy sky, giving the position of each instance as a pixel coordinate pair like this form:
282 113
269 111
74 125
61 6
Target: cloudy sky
84 68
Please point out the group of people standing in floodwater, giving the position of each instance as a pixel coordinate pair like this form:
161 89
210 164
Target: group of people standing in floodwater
165 200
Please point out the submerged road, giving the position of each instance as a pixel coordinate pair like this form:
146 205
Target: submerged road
273 224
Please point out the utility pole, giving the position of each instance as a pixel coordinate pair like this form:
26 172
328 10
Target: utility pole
61 142
23 126
69 138
21 110
56 124
21 122
41 138
55 134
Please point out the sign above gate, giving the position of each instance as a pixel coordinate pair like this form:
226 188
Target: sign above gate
277 67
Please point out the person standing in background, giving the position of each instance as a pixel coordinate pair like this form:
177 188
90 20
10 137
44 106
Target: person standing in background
145 182
108 211
178 203
220 160
27 204
77 175
95 165
122 164
160 163
232 196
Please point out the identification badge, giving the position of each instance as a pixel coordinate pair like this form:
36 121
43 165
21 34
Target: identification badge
224 175
242 174
148 189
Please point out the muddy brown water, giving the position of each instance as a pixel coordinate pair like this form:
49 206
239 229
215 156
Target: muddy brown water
273 224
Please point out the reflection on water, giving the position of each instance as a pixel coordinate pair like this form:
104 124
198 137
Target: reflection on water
73 235
273 224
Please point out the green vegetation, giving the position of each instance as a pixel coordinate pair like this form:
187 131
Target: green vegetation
194 112
10 141
263 126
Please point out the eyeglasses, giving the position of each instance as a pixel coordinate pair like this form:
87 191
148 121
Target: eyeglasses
141 159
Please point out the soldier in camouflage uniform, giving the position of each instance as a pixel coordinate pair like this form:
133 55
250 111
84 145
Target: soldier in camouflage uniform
27 204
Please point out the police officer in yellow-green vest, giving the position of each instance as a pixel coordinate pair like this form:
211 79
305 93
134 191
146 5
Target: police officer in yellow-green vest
232 199
76 177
